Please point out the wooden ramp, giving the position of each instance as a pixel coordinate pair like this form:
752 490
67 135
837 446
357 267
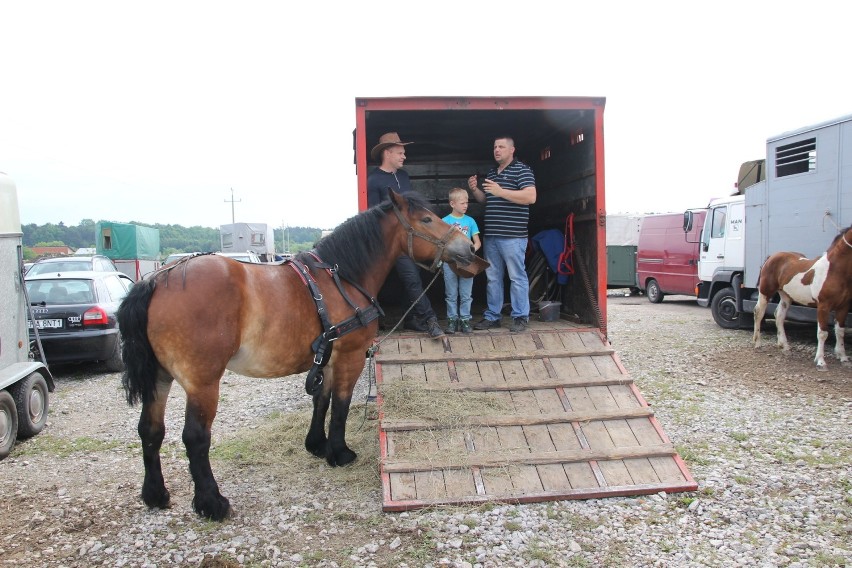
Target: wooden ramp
570 424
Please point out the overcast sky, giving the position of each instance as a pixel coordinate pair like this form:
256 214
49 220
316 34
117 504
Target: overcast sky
152 111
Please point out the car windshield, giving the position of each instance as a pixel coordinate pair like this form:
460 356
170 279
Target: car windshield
63 291
63 266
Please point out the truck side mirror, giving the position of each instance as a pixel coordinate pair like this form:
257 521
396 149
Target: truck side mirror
687 221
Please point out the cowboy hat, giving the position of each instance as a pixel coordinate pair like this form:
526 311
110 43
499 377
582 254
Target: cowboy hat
386 140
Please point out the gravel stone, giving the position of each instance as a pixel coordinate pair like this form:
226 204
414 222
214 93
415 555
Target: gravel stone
766 436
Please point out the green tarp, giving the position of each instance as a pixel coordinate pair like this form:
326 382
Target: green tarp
124 241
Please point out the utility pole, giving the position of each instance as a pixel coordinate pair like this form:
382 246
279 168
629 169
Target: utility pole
233 222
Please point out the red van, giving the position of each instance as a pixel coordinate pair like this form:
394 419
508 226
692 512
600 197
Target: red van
667 256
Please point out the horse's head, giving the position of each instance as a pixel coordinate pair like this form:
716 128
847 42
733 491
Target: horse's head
425 237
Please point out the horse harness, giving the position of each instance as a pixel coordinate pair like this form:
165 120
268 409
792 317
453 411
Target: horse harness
322 345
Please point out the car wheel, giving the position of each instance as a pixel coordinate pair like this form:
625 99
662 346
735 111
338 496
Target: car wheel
31 401
8 423
115 364
724 309
655 295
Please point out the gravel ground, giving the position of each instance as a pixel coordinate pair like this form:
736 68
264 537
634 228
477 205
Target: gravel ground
766 436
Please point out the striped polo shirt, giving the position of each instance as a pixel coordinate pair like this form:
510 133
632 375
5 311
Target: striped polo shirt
502 217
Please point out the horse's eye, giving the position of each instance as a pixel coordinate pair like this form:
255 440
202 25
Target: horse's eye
426 219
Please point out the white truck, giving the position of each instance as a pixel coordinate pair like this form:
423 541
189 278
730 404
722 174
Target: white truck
801 199
24 381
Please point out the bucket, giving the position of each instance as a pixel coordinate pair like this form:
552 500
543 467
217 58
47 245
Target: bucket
549 311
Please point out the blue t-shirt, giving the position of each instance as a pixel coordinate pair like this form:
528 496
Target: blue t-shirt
466 224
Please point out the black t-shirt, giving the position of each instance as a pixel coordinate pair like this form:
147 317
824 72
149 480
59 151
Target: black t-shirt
378 182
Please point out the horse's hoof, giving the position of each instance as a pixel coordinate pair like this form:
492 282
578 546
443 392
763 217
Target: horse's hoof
316 448
343 457
215 508
157 498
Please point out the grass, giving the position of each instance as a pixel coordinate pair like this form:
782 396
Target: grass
61 447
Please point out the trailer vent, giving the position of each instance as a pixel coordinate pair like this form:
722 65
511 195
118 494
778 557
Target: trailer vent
796 158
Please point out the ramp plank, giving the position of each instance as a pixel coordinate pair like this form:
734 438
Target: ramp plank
571 424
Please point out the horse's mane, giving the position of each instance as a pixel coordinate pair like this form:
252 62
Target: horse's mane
837 237
358 242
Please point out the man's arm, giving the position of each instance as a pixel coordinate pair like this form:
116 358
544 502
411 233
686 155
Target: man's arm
477 193
525 196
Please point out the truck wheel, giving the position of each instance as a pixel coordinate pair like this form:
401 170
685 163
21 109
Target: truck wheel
655 295
31 401
8 423
724 309
115 364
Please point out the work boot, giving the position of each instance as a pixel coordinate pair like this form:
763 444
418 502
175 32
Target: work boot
452 325
519 325
464 326
486 323
434 329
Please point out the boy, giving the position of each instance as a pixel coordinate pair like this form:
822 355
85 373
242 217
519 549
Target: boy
458 288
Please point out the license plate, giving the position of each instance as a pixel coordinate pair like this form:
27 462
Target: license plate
46 324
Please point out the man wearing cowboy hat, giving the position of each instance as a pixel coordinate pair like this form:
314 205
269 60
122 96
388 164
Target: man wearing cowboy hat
390 154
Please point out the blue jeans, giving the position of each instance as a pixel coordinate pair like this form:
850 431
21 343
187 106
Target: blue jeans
409 276
458 293
506 255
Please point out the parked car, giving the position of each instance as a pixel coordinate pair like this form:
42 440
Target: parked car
177 256
247 256
60 264
75 315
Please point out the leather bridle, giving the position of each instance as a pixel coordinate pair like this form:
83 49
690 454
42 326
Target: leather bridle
412 232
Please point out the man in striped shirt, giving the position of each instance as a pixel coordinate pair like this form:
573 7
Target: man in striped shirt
508 191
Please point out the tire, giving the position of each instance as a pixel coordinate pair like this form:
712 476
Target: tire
115 364
8 423
723 306
655 295
32 402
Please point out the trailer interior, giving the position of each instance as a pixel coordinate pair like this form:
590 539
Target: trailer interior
560 138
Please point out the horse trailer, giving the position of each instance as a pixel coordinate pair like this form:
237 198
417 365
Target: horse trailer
24 381
800 199
549 369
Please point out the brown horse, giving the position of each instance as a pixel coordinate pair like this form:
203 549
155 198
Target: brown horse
194 319
824 283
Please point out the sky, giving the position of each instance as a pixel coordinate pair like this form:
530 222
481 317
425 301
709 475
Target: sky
154 112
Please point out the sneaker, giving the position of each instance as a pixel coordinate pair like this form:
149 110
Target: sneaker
434 329
464 326
519 325
452 325
486 323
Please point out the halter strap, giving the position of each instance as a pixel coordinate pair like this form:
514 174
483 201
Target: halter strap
412 232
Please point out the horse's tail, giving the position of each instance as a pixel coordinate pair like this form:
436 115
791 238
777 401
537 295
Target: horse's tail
140 363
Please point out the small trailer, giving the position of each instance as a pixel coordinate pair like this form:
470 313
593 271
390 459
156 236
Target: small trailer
622 240
134 249
24 381
244 237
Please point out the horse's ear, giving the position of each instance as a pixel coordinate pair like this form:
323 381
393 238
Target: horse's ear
396 198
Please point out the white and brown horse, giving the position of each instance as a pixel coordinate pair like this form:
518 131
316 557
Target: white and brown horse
824 283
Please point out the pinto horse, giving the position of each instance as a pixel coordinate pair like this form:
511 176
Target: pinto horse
824 283
192 320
